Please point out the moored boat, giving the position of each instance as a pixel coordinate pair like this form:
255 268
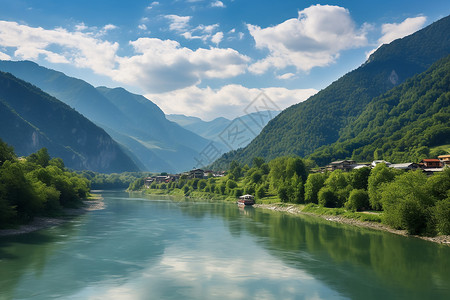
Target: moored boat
246 200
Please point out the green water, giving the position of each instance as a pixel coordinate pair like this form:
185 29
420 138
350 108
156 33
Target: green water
158 249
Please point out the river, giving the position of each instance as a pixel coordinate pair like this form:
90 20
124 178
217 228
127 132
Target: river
153 248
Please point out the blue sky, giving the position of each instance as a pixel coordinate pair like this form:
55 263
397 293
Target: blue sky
208 58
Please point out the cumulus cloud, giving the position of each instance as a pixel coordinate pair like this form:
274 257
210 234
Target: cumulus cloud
395 31
229 101
314 39
217 37
162 66
80 49
155 66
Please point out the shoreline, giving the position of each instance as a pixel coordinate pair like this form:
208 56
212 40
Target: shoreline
292 209
39 223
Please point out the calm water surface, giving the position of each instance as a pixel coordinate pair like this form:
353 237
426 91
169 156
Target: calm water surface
157 249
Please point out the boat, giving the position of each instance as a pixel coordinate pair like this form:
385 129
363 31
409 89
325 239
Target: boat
246 200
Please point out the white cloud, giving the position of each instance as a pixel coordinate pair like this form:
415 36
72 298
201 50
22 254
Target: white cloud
153 4
83 50
395 31
142 27
286 76
4 56
217 38
228 101
217 4
161 66
155 66
178 23
314 39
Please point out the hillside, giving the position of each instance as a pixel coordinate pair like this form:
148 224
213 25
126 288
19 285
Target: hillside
400 125
153 142
31 119
213 130
320 120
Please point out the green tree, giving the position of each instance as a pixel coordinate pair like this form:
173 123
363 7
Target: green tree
407 203
379 175
327 197
359 178
442 215
41 157
312 187
358 200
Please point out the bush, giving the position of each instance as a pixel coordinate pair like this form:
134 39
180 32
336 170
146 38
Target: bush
260 192
327 198
442 216
358 200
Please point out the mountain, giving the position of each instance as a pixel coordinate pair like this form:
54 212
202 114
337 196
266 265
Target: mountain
320 120
155 143
402 124
31 119
174 148
214 130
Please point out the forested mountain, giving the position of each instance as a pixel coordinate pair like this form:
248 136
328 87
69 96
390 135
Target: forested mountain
213 130
320 120
31 119
154 143
400 125
161 145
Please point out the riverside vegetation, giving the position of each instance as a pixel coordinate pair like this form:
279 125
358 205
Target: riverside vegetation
37 185
408 200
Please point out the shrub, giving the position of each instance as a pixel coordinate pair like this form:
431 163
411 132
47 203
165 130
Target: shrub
327 197
358 200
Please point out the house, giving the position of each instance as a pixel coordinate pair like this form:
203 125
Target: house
345 165
148 181
405 166
376 162
430 163
162 178
445 159
197 173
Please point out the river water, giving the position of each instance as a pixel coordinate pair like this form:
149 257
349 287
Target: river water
154 248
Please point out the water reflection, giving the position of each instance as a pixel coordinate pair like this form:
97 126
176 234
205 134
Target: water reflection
155 248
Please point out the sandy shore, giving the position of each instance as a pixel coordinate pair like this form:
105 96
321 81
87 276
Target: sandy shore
43 222
442 239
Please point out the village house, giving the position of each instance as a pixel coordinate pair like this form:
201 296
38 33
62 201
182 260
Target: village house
197 173
345 165
430 163
445 159
405 166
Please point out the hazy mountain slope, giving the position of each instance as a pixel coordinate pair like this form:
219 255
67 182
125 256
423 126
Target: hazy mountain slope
321 119
214 130
138 124
32 119
400 125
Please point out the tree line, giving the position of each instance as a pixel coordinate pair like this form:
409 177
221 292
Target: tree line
37 185
408 200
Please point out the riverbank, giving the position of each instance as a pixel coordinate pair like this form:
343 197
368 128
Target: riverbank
93 203
296 210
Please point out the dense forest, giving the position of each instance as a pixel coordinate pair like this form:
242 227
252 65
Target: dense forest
37 185
324 117
408 200
401 125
